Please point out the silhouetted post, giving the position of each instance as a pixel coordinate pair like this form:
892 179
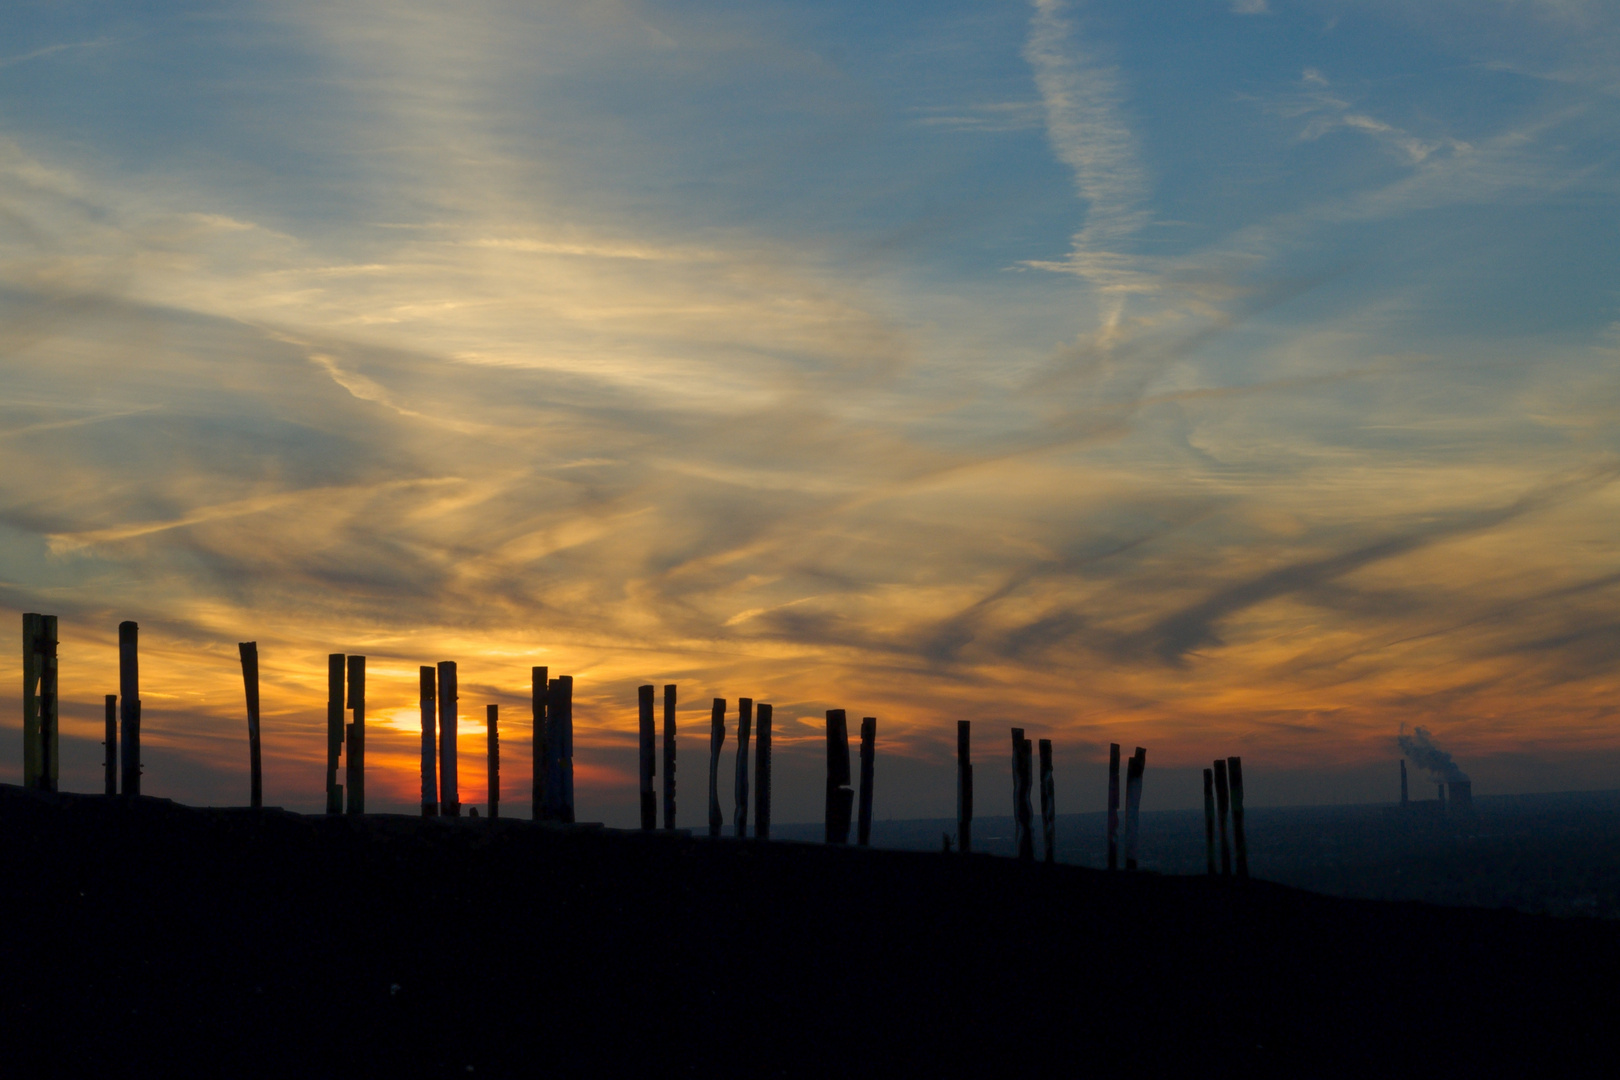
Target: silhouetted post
249 651
430 741
538 706
762 773
492 729
1113 806
863 828
1221 805
449 694
649 758
110 745
560 711
745 726
669 755
717 738
1023 812
41 710
1234 778
357 735
1209 820
839 795
335 666
1133 804
1048 803
129 706
964 787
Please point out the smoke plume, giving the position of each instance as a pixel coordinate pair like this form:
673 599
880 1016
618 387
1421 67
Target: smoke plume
1425 755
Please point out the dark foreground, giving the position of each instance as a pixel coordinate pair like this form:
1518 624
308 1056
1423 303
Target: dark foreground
160 940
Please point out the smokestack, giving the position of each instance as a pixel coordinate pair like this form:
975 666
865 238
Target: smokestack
1403 782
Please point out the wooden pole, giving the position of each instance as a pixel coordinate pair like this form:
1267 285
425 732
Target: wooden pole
1209 820
41 710
669 756
357 735
492 729
863 830
335 666
1133 804
762 773
554 749
717 738
1048 803
129 706
1023 812
430 740
839 795
1220 815
964 787
1113 806
449 695
538 706
249 651
1234 778
110 746
31 726
649 758
745 726
562 707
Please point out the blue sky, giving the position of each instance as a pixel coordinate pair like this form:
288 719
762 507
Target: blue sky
1223 377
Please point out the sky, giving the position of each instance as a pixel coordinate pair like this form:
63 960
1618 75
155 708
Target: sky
1216 377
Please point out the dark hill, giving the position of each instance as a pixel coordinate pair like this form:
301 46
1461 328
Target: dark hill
155 939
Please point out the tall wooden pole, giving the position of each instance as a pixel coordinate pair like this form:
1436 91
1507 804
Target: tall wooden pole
1221 805
110 746
762 772
449 694
41 709
129 706
357 735
863 828
964 786
745 726
336 664
430 739
492 729
1209 820
1113 806
1234 778
669 756
561 710
249 651
539 696
717 738
32 754
1133 804
649 758
839 794
1023 812
1048 803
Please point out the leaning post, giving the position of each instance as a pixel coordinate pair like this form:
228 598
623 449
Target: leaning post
745 725
964 787
249 651
762 772
1234 779
839 795
1048 803
863 830
129 706
649 758
717 738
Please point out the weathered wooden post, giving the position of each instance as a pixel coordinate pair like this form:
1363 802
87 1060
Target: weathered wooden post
1048 803
1023 812
129 706
964 787
762 773
1113 806
430 740
540 750
1234 778
560 749
249 651
1209 820
745 726
336 664
41 709
669 755
110 746
1220 814
449 694
356 773
649 758
863 828
492 731
1133 804
717 738
840 797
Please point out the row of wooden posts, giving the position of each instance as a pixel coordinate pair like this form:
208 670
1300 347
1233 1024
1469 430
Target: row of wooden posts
553 783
